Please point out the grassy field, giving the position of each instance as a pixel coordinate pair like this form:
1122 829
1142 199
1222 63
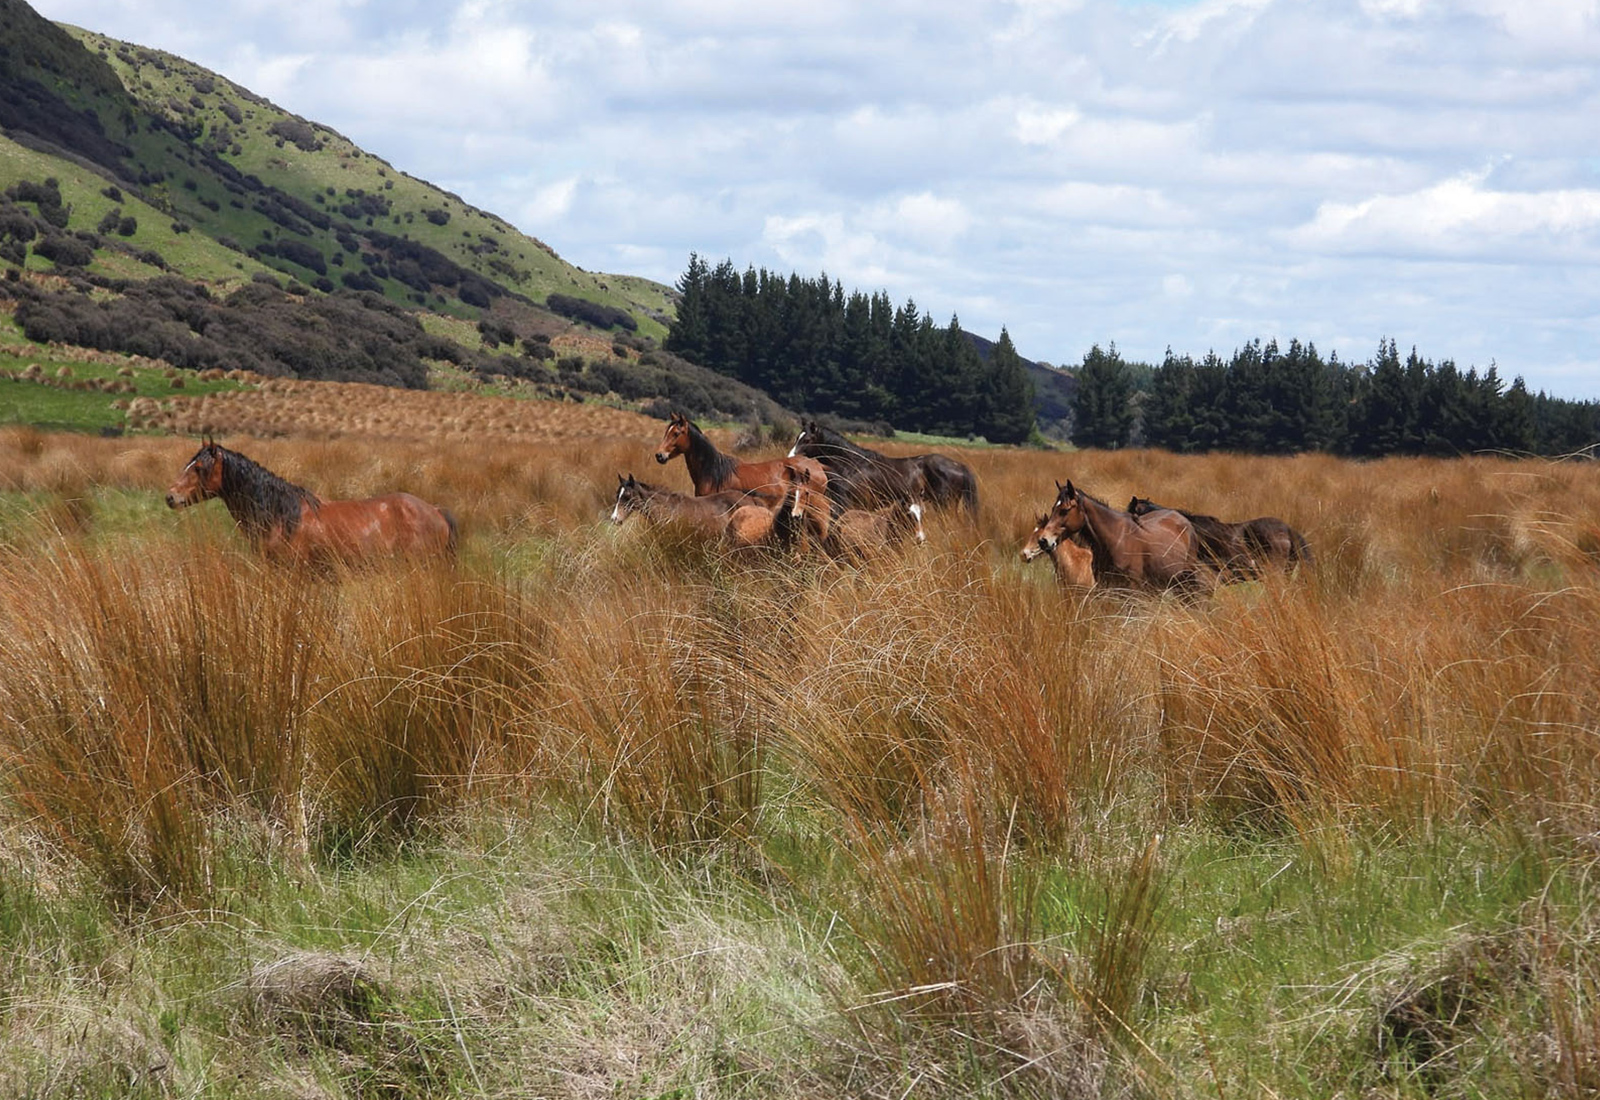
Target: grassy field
599 812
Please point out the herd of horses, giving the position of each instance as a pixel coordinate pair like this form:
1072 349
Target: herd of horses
828 492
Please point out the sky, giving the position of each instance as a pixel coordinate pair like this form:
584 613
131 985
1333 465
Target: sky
1183 175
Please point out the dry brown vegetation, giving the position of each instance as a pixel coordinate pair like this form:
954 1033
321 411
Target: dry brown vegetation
982 803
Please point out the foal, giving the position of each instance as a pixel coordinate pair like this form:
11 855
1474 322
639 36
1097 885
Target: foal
1074 564
738 518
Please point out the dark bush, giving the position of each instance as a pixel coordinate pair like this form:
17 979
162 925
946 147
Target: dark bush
127 226
437 216
594 313
113 193
360 280
64 251
307 256
297 131
108 224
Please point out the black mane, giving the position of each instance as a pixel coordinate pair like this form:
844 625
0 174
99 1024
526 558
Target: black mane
714 465
258 499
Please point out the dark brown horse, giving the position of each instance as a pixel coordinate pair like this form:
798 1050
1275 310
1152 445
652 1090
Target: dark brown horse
799 480
736 517
1159 550
287 522
1073 562
1240 549
859 477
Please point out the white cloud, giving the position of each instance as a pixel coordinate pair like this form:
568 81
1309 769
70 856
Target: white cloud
1460 217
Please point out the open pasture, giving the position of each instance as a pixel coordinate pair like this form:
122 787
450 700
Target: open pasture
600 810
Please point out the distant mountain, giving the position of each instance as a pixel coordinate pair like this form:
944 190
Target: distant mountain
1053 390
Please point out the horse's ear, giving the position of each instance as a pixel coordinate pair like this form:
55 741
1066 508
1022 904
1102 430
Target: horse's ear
1060 487
620 481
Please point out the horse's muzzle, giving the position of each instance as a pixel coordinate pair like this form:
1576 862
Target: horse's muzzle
663 458
175 501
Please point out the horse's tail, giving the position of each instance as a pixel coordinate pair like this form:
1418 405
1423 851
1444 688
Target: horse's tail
452 541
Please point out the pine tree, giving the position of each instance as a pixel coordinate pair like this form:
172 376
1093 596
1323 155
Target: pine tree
1168 420
1010 416
1102 408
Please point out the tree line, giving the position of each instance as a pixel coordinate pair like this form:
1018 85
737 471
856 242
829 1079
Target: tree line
814 347
1272 400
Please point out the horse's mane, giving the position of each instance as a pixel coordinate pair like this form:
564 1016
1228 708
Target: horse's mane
1192 517
718 466
259 499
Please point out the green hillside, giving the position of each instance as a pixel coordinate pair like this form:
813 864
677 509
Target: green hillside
221 184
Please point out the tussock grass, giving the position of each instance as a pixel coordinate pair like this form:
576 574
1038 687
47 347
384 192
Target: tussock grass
759 825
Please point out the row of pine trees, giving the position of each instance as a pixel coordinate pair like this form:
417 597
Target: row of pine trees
856 356
1271 400
812 347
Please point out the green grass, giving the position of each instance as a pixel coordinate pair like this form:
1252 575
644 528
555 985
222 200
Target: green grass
47 405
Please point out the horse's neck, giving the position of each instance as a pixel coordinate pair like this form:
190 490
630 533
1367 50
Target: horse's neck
709 468
259 500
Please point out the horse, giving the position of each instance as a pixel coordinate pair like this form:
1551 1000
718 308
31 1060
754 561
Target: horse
800 479
859 535
1222 544
739 518
1160 550
287 522
859 477
1073 562
1263 539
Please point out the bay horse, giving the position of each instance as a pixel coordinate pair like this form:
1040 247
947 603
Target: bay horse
859 535
287 522
801 480
1073 562
859 477
1263 539
1222 544
1160 550
740 518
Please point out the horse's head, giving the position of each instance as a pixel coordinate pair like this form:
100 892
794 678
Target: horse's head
676 439
1142 506
630 498
200 479
1066 514
808 434
1042 541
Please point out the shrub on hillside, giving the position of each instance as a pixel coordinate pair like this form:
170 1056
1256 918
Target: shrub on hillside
593 313
64 251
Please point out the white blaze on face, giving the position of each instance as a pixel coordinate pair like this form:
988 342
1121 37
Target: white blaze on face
617 513
916 513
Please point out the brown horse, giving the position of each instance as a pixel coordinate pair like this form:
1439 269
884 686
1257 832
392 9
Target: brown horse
859 535
1240 548
736 517
289 523
711 471
1074 563
859 477
1159 550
